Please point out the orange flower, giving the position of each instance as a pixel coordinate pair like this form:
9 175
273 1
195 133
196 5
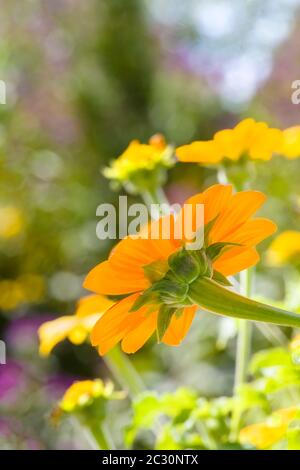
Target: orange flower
145 270
254 139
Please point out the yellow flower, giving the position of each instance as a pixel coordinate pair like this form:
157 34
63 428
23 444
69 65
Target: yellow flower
11 294
11 222
249 138
284 248
291 142
265 435
83 394
140 158
74 327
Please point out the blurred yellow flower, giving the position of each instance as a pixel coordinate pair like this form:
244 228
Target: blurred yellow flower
249 138
27 288
140 157
11 222
265 435
291 142
284 248
11 294
82 394
74 327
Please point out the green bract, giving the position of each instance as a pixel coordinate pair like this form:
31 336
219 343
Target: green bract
189 279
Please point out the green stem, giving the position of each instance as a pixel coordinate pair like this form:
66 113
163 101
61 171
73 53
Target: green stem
124 371
156 196
222 301
101 436
244 335
243 352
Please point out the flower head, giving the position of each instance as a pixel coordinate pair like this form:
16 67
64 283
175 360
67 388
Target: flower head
249 138
285 248
291 142
11 222
157 275
74 327
84 393
141 165
265 435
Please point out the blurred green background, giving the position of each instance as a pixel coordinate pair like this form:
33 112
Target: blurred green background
83 79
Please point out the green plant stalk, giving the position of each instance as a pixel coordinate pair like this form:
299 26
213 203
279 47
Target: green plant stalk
101 436
124 371
244 334
156 196
243 352
211 296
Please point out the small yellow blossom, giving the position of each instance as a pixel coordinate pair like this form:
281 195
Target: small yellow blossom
291 142
11 294
249 138
139 158
84 393
74 327
265 435
11 222
14 292
284 249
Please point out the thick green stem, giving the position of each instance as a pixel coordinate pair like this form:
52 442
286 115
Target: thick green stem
154 197
244 335
124 371
222 301
101 436
243 352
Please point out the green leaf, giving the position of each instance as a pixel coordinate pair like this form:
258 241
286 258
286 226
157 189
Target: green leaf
269 358
163 320
217 299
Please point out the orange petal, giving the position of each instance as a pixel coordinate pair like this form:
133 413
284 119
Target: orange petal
91 304
252 232
235 260
239 209
105 279
179 326
214 199
136 338
116 323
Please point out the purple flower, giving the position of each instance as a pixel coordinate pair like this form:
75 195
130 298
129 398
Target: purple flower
12 381
21 333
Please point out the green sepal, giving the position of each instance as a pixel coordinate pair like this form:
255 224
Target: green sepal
221 279
184 265
217 249
207 229
148 297
164 318
215 298
156 270
171 290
